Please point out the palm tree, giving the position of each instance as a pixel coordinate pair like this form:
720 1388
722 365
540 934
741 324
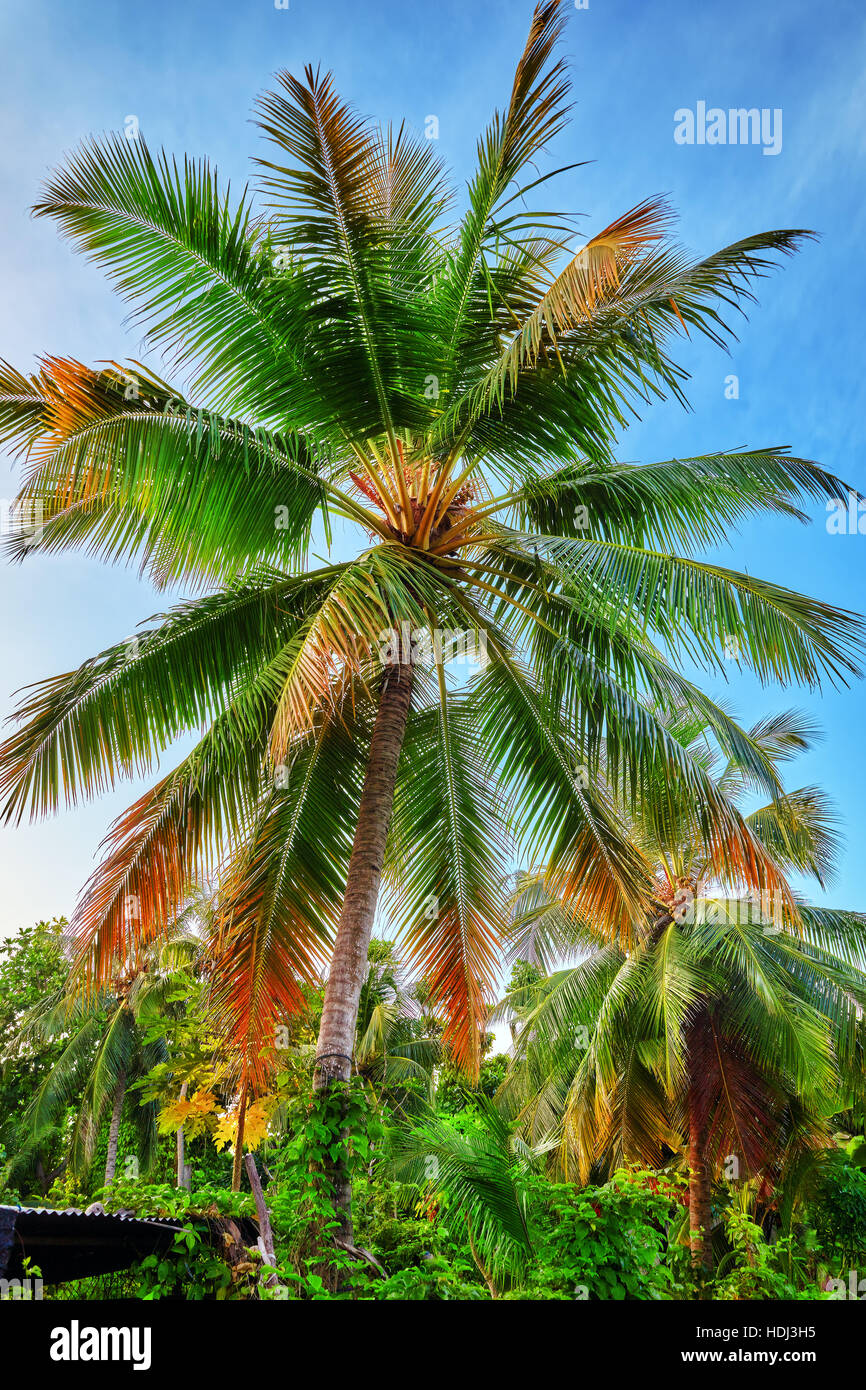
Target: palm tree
728 1024
483 1172
108 1049
447 393
397 1045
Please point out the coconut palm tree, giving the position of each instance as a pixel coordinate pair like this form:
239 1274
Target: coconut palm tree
729 1025
440 397
483 1172
108 1049
397 1045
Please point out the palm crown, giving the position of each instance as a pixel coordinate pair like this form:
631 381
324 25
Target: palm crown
450 390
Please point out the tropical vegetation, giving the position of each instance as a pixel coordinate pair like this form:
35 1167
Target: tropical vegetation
474 722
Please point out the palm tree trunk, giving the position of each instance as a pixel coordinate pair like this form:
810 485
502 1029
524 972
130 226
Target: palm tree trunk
180 1154
349 961
239 1142
699 1200
114 1130
700 1215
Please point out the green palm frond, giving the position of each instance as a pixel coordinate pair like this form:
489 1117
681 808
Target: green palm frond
536 112
801 831
128 703
681 504
176 246
448 864
559 821
125 474
482 1178
696 607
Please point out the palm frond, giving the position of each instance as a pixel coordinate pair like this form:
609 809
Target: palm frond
447 868
175 245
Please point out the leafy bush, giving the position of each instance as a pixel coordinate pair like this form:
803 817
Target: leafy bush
453 1092
404 1243
754 1269
600 1243
838 1211
192 1269
438 1278
163 1200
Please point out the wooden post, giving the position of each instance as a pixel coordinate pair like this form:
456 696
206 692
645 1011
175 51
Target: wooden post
266 1233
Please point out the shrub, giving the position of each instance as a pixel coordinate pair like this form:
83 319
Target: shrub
838 1211
601 1242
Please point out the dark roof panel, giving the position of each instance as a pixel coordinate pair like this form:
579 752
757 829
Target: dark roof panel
71 1245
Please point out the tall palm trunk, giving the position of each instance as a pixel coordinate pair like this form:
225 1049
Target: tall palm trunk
239 1141
180 1138
699 1198
700 1215
114 1129
349 961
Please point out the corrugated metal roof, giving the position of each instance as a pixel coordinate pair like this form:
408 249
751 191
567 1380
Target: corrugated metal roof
95 1215
71 1244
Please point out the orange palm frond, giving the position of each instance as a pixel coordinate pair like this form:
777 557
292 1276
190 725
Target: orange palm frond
590 278
170 838
255 989
335 647
131 898
282 889
457 953
76 397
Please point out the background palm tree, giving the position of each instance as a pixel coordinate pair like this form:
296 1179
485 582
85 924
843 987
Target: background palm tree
108 1050
398 1045
482 1172
728 1025
447 393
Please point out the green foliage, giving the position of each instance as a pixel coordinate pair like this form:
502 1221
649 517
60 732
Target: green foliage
66 1192
755 1269
454 1092
163 1200
333 1128
191 1269
838 1211
600 1243
32 967
439 1278
405 1243
442 1239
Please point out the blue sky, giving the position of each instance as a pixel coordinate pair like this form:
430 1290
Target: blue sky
189 72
